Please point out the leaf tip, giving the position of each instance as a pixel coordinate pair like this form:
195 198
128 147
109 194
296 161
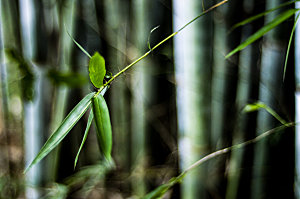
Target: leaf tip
227 56
151 31
231 53
75 162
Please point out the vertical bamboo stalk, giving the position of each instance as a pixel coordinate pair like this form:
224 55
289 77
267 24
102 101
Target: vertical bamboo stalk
11 124
4 88
32 111
139 87
275 154
297 99
224 91
241 161
152 92
193 63
117 32
65 22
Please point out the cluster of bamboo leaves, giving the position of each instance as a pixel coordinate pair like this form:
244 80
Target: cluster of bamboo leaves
100 114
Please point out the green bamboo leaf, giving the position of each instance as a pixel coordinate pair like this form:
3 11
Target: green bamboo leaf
67 124
255 17
88 174
78 45
103 125
261 32
259 105
97 70
88 125
159 191
289 46
162 189
70 79
251 107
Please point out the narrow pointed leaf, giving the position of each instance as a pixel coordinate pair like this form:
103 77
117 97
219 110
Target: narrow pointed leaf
78 45
88 125
67 124
97 70
261 32
260 105
255 17
289 46
103 125
162 189
159 191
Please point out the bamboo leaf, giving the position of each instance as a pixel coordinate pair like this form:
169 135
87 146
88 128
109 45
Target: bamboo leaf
289 46
78 45
103 125
71 79
86 132
97 70
261 32
27 75
92 172
67 124
162 189
159 191
260 105
255 17
251 108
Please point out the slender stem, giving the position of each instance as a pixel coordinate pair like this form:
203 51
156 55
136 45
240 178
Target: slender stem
179 178
128 66
157 45
203 13
241 145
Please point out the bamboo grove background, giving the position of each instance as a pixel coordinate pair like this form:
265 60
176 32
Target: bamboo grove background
179 104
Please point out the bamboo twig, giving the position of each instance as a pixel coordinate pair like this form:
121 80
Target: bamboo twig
159 44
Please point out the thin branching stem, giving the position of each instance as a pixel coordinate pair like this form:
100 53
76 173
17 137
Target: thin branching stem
237 146
215 154
157 45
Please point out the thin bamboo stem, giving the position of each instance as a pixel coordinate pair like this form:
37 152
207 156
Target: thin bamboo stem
159 44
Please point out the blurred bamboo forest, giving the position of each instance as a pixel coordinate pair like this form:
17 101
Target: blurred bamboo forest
182 102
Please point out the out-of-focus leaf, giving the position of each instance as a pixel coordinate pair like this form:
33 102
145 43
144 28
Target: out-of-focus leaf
57 191
103 125
97 70
88 125
64 128
95 172
162 189
251 107
27 76
27 86
70 79
259 105
261 32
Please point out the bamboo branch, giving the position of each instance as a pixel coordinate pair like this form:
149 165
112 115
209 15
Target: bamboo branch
159 44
